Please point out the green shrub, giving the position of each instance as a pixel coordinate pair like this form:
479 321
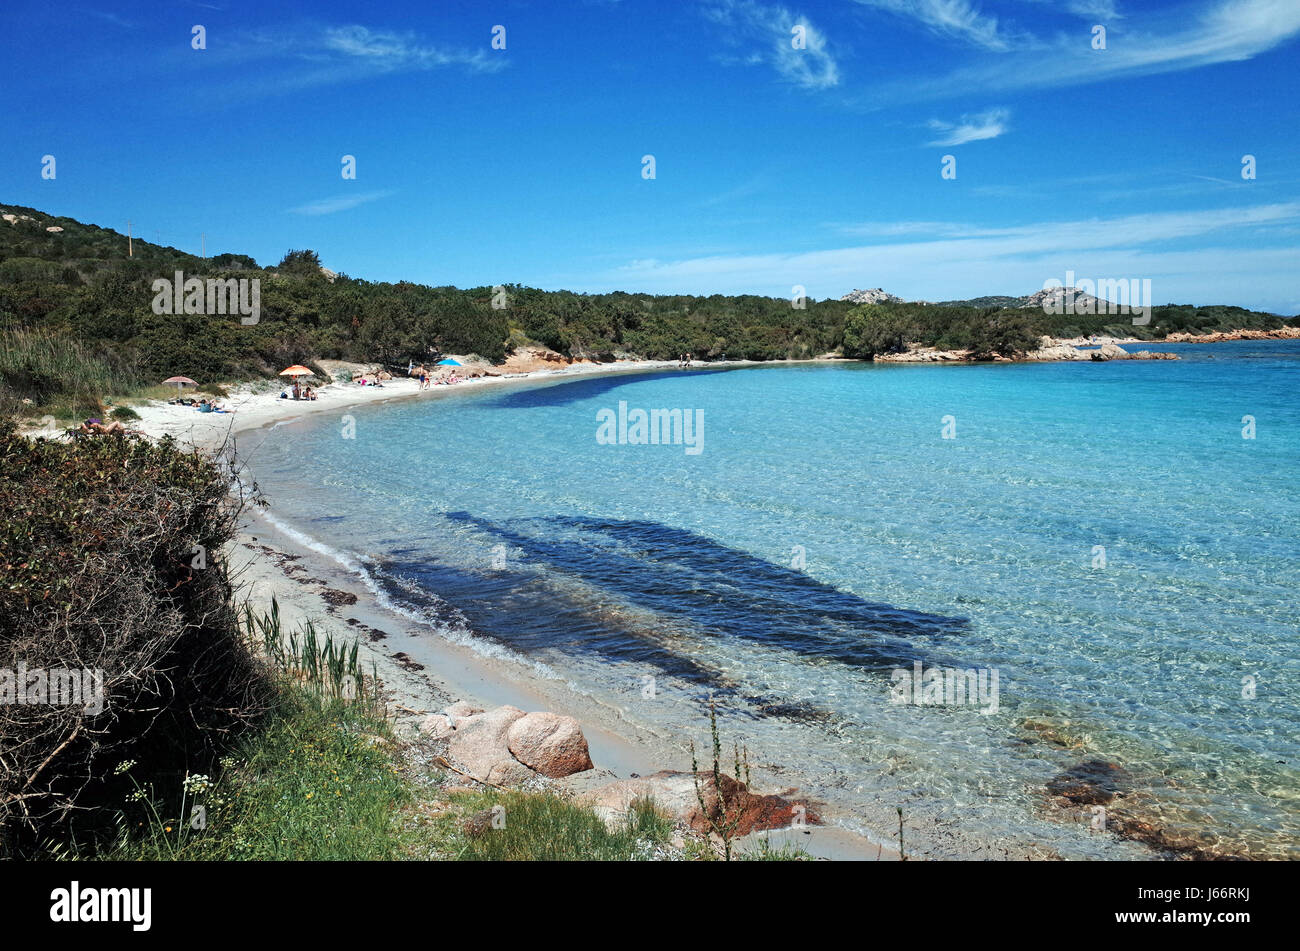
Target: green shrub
314 781
59 375
1005 333
871 329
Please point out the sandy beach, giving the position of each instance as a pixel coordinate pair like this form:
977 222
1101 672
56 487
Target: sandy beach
256 406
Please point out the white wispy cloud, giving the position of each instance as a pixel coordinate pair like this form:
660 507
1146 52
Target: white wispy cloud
1102 11
956 19
900 229
1191 256
277 60
972 128
328 206
1190 37
753 185
112 18
772 28
390 51
1090 233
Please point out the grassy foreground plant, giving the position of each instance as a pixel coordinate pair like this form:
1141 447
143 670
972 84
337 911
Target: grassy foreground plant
722 819
314 780
522 826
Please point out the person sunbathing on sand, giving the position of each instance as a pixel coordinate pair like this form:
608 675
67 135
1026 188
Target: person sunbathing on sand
99 427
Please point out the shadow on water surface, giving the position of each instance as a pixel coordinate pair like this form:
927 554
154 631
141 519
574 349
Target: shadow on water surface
698 589
572 391
721 591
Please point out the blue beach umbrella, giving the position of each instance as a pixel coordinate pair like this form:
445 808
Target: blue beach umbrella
449 362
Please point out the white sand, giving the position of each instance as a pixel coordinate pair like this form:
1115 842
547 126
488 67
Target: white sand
255 405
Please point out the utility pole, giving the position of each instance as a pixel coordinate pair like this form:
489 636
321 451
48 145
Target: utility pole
204 239
130 247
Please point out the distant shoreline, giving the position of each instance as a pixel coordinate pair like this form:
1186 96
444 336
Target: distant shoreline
256 404
1101 348
1218 336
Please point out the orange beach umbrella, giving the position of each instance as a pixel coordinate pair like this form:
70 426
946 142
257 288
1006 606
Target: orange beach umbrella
297 370
180 381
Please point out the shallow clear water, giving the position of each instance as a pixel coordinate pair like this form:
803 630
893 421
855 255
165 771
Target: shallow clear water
828 534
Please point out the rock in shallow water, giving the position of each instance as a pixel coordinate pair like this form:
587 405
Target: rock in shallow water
1094 782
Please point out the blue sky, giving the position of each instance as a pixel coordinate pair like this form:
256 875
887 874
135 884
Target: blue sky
774 166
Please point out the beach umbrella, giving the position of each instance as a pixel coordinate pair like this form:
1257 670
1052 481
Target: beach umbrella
449 362
296 370
180 381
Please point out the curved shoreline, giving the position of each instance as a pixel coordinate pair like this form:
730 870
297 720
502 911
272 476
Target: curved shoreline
427 671
423 670
618 738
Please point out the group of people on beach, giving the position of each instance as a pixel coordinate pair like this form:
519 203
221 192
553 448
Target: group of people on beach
684 360
299 392
203 405
427 381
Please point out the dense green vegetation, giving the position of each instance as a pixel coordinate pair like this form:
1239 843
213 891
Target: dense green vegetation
315 781
76 292
889 327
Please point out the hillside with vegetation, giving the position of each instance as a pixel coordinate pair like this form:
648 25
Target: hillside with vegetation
76 321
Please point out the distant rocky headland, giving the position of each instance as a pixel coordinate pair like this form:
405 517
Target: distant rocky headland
1062 299
1049 351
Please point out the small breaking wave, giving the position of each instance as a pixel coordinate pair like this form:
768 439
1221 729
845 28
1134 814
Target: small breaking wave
437 615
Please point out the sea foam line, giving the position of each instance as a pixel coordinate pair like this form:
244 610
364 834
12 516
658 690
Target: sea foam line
460 635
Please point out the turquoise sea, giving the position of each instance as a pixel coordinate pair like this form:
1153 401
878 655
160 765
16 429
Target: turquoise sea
1103 537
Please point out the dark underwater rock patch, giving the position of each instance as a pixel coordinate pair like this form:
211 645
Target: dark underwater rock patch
1094 782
